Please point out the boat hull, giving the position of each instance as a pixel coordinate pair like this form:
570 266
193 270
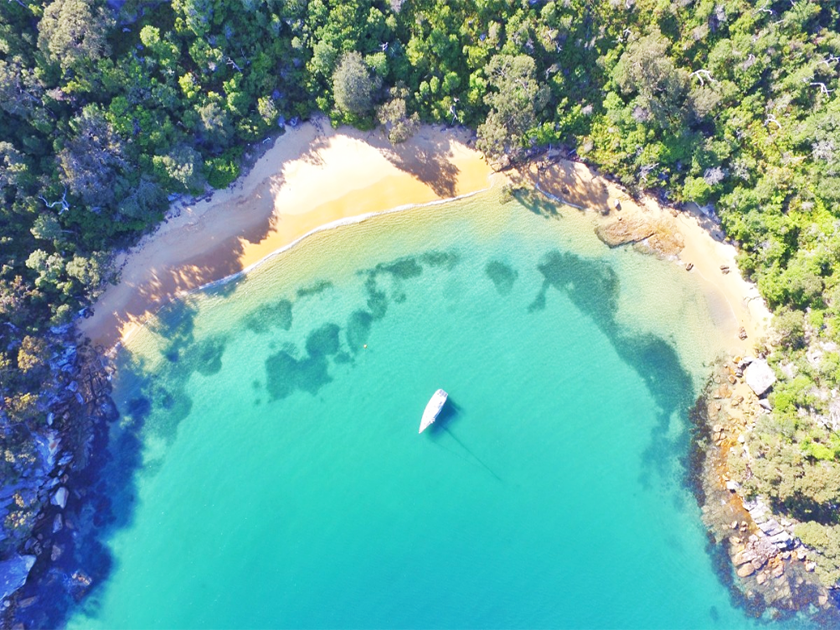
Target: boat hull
433 408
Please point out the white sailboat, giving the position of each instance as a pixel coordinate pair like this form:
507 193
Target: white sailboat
435 404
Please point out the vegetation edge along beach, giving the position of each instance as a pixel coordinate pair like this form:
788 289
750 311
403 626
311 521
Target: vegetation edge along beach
112 112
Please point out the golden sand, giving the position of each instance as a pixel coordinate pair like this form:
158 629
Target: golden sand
688 237
312 176
316 176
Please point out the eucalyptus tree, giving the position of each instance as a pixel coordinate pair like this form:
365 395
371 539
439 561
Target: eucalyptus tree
516 98
73 31
354 86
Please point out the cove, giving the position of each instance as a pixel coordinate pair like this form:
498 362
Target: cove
267 470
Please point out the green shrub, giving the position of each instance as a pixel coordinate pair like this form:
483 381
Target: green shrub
221 172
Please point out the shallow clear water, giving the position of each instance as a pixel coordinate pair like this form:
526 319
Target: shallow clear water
283 483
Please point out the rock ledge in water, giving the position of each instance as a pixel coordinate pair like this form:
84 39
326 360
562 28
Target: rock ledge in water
60 497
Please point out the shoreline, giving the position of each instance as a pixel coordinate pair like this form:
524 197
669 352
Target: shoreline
686 237
194 222
352 220
214 241
281 201
755 551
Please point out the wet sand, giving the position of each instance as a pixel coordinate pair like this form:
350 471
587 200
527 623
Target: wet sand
315 176
311 177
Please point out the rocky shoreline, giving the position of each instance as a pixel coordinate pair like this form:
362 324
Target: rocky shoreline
768 570
40 555
46 557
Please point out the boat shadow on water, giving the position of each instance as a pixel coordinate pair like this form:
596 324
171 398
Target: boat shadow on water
440 432
449 414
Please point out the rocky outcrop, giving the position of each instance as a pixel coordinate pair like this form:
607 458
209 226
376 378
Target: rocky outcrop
759 376
37 535
772 566
13 573
657 235
621 230
59 497
769 528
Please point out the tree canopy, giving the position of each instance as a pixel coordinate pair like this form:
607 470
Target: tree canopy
353 85
515 99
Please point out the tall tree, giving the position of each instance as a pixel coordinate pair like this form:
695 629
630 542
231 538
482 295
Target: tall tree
92 160
515 100
646 69
353 85
20 88
393 115
74 30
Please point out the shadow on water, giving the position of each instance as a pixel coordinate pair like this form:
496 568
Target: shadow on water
450 413
593 286
105 492
537 203
102 501
442 428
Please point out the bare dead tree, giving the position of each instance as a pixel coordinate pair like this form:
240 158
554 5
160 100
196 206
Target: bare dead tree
65 205
703 73
454 112
646 170
829 60
772 119
823 88
763 9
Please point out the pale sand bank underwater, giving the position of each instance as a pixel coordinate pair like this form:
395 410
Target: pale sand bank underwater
315 176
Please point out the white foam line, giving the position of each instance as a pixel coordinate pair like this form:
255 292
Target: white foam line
559 200
332 225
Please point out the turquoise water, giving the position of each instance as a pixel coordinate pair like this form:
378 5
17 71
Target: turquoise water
283 482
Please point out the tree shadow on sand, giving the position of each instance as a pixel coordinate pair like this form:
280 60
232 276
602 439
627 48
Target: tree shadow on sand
426 159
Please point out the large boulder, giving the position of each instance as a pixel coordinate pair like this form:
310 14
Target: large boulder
759 376
59 498
13 573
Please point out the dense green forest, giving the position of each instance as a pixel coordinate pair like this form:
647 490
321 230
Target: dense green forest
108 111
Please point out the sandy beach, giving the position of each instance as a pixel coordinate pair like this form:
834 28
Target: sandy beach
312 176
687 237
315 176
